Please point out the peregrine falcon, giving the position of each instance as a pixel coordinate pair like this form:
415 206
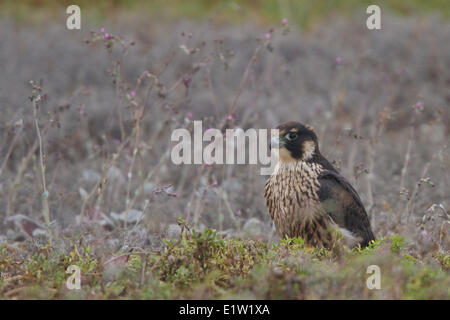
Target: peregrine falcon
308 198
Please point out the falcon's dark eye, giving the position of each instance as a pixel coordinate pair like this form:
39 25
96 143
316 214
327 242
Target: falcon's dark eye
291 136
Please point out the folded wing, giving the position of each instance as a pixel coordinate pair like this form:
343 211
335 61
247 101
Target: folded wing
342 203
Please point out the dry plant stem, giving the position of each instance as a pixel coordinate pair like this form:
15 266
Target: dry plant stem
184 174
129 254
191 200
149 89
45 206
107 166
126 238
144 266
406 211
130 203
230 210
14 291
242 83
442 233
118 82
136 150
244 79
370 160
55 174
121 70
130 172
11 147
211 91
354 146
198 208
220 213
18 179
139 116
150 174
407 158
117 107
376 130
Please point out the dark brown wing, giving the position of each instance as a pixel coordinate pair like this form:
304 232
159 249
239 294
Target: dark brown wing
342 203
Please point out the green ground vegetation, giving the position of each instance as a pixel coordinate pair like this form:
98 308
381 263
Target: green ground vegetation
204 265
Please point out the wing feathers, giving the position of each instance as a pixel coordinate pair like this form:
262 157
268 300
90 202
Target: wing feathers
343 204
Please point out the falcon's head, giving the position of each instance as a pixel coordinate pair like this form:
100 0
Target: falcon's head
296 142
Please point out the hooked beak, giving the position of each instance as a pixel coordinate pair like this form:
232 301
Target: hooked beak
276 142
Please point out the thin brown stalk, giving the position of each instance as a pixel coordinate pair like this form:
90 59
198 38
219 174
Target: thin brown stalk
406 161
107 166
11 147
407 210
45 193
18 178
242 83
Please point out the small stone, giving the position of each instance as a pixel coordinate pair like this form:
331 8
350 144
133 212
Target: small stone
24 224
148 188
90 175
132 216
15 236
115 174
253 227
228 234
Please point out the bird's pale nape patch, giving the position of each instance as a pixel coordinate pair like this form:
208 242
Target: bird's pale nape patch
309 147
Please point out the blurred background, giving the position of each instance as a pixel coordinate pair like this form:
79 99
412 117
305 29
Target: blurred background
113 92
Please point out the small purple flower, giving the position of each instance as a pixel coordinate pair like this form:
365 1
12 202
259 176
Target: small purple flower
268 36
338 60
215 183
418 106
187 81
102 30
239 212
189 115
230 117
107 35
133 94
117 142
285 21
